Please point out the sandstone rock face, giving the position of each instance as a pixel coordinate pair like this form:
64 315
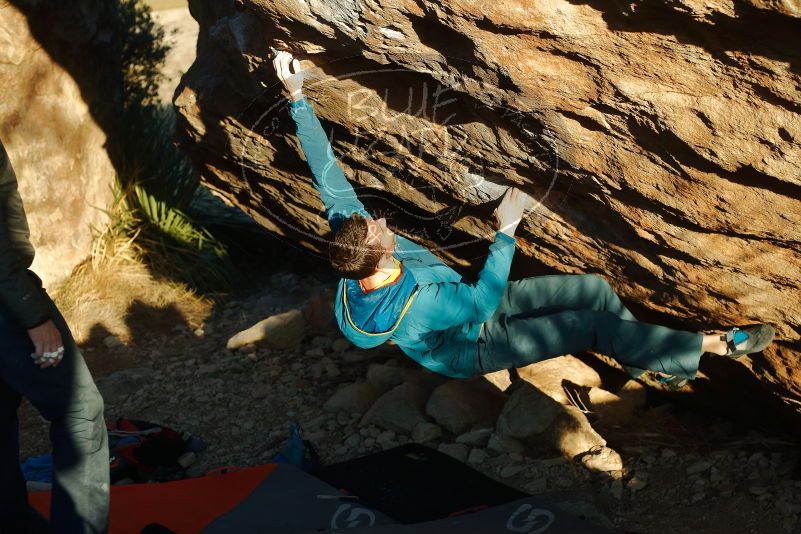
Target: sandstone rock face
662 139
55 145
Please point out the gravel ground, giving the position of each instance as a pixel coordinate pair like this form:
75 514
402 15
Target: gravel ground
241 404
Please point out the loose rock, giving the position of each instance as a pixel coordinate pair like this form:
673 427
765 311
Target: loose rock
459 405
455 450
399 409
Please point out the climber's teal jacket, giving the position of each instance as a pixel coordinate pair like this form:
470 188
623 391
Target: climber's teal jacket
432 315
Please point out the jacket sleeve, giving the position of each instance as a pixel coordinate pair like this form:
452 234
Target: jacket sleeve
338 196
444 305
19 294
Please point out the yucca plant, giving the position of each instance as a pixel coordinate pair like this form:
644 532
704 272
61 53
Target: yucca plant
144 228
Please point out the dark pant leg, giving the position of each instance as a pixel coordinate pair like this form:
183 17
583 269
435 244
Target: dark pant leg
66 396
13 498
545 295
517 340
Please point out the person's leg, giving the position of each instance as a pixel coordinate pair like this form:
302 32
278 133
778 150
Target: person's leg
66 396
13 497
545 295
516 340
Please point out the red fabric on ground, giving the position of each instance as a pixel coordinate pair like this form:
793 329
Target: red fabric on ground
185 506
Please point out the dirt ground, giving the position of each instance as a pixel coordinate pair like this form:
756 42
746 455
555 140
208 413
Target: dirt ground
685 470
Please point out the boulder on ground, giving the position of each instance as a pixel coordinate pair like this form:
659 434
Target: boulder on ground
459 405
500 379
603 459
550 376
353 398
282 331
426 431
400 409
384 377
534 418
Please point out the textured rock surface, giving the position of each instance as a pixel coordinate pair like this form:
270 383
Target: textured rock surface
662 138
534 418
55 145
460 405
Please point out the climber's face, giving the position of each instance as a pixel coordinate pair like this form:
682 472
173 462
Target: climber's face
378 233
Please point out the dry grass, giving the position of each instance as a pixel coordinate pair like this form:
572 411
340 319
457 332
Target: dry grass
110 294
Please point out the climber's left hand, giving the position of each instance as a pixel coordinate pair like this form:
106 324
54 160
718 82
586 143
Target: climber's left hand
288 70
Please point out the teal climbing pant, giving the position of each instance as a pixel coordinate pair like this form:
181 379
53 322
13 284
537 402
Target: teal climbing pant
548 316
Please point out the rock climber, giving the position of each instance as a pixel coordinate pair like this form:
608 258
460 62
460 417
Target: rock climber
394 289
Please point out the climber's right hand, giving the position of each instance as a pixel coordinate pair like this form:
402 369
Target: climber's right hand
511 209
288 70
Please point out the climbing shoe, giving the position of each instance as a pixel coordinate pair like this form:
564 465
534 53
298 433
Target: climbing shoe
742 340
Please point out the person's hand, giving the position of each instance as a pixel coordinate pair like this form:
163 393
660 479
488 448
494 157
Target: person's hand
48 345
511 209
288 70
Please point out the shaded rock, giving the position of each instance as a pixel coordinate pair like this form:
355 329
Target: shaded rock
424 378
616 489
282 331
504 444
699 467
424 432
638 482
400 409
386 437
633 393
475 438
455 450
112 342
384 377
353 398
538 485
476 456
509 471
118 386
788 508
341 345
536 419
353 441
355 356
458 405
